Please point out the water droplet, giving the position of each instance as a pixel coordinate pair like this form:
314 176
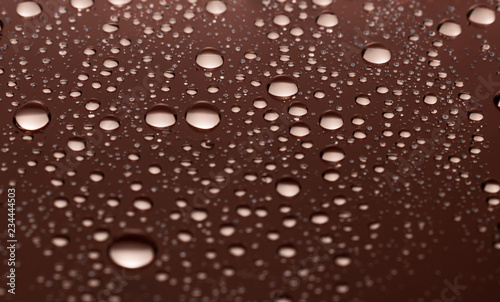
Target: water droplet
203 116
82 4
363 100
160 117
343 261
76 144
491 186
143 204
319 218
288 187
322 2
327 20
28 9
281 20
300 129
209 58
475 116
287 251
32 116
332 154
481 15
331 175
430 99
60 241
331 121
282 87
450 28
109 123
216 7
119 2
376 53
132 252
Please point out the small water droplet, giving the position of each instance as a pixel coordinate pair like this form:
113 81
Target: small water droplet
288 187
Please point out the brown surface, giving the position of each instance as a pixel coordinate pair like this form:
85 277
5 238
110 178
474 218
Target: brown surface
434 225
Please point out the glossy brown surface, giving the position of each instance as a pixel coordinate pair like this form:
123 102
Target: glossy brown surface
235 205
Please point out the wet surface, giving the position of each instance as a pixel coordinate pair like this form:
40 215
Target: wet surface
251 150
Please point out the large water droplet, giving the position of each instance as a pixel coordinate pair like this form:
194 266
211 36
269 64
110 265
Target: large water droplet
300 129
481 15
322 2
287 251
82 4
132 252
430 99
28 9
32 116
282 87
160 117
491 186
376 53
331 121
332 154
327 20
203 116
288 187
450 28
209 58
119 2
216 7
109 123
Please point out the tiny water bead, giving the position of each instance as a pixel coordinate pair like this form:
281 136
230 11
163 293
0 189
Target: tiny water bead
481 15
203 116
327 20
376 53
160 117
109 123
332 154
32 116
209 59
288 187
28 9
132 252
449 28
216 7
282 87
331 121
